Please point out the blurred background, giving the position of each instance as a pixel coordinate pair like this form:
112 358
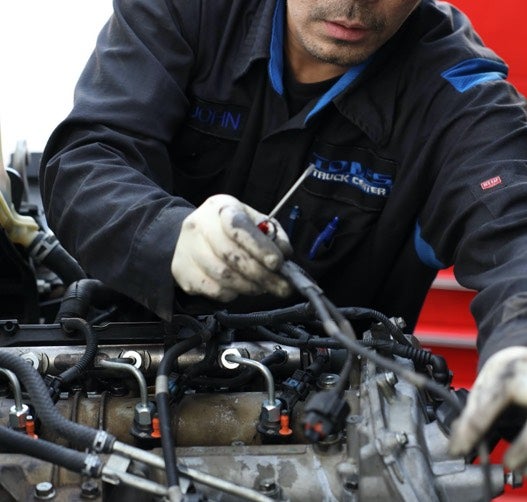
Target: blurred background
44 45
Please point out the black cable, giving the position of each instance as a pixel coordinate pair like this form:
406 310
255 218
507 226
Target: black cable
178 383
314 342
419 356
343 324
365 313
81 295
295 313
88 357
79 435
295 331
342 384
203 334
416 379
80 462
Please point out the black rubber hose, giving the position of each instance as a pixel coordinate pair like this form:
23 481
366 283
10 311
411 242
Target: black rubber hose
344 375
80 435
420 357
77 324
295 313
47 250
202 366
17 442
364 313
295 331
162 392
314 342
81 295
304 312
163 407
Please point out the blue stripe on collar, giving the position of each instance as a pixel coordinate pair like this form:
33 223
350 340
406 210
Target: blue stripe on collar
276 61
341 84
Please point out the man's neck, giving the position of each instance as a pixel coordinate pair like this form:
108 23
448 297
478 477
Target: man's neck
305 67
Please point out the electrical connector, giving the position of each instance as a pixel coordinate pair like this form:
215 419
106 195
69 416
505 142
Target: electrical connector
324 414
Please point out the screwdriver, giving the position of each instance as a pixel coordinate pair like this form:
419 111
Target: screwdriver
265 225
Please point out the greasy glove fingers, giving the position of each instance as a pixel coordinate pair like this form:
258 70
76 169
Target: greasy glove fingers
235 256
240 224
224 282
478 415
198 270
280 238
501 382
221 252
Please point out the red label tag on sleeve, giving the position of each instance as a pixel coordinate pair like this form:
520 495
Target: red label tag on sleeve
492 182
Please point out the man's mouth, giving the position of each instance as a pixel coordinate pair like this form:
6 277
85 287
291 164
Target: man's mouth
348 31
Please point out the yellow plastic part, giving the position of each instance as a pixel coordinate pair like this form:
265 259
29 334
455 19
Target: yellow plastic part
19 229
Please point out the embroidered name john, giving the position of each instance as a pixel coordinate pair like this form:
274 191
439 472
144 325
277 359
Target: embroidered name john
219 119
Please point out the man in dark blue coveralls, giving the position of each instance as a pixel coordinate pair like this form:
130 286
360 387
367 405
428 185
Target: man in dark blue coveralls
193 118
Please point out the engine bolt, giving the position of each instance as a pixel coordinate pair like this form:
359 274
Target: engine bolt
327 381
401 438
269 487
44 491
89 489
391 378
118 389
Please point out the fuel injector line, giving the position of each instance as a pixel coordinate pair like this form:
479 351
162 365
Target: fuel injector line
264 371
220 484
15 387
276 357
80 462
80 435
138 376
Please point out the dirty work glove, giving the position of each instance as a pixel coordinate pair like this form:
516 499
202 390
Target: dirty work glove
501 382
221 253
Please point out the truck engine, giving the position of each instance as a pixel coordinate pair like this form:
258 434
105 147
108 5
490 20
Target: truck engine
99 401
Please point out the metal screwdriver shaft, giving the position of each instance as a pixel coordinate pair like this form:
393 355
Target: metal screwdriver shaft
264 225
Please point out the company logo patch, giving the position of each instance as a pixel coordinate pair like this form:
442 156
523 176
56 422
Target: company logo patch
353 173
492 182
220 119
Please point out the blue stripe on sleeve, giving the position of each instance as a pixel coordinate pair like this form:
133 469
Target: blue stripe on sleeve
424 251
472 72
